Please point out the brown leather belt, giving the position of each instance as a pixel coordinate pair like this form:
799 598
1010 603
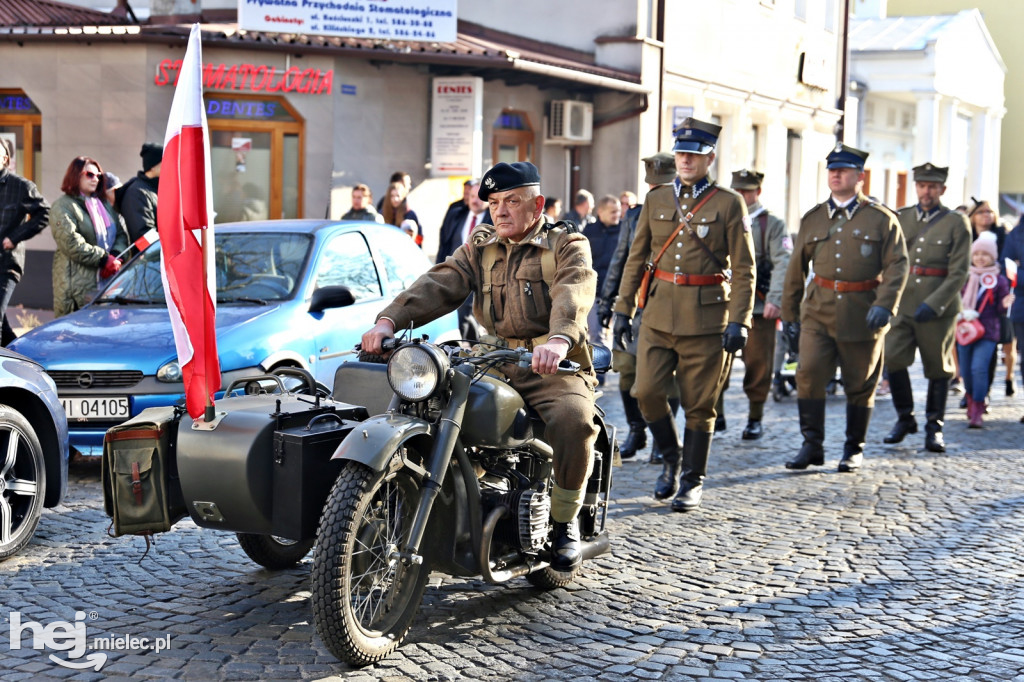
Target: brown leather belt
689 280
928 272
843 286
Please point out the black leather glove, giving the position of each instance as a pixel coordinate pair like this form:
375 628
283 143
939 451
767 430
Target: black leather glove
622 333
924 313
604 313
877 317
734 338
792 332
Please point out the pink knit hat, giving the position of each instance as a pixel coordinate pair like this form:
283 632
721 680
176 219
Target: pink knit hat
986 242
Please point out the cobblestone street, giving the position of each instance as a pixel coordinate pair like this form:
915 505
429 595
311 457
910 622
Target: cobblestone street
908 570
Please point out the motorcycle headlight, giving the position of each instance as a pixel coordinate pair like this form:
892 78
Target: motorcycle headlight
415 372
171 372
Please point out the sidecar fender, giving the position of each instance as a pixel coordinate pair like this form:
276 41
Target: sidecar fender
375 440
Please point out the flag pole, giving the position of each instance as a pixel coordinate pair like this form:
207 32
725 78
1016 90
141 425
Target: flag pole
211 412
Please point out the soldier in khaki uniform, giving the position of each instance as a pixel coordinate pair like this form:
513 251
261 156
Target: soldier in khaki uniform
772 249
939 254
695 312
521 307
859 270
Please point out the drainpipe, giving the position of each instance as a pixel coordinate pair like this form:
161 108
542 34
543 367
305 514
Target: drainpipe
844 75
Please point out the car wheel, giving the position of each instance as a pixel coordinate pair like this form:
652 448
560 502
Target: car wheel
22 481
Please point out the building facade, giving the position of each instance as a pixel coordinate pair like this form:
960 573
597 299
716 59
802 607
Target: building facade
297 120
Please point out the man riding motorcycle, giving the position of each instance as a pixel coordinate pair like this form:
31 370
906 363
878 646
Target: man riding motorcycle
533 285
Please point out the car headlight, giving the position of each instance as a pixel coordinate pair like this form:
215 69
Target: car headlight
171 372
415 372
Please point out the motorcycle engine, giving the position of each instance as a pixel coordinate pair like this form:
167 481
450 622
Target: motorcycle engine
526 526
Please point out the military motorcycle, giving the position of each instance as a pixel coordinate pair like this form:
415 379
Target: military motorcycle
452 475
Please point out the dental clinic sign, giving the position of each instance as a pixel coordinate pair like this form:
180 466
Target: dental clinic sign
399 20
70 640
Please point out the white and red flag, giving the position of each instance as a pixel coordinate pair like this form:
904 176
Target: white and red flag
185 222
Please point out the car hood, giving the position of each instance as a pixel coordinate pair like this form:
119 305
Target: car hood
114 337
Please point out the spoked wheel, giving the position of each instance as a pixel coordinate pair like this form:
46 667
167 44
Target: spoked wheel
22 481
364 597
272 552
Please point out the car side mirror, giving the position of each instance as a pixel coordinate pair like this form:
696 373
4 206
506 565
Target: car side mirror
334 296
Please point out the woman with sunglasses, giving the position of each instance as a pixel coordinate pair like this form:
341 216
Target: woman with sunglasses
89 234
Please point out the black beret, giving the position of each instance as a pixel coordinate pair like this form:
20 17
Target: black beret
505 176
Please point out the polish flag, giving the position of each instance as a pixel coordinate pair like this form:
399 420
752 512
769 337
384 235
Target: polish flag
142 243
185 222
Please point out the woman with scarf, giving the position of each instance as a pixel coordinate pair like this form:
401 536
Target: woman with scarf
986 297
89 235
984 219
396 211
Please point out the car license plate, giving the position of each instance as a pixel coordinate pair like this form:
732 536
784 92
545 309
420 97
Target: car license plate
103 408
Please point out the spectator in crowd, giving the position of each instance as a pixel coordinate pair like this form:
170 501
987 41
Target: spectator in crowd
88 233
582 209
362 206
136 199
660 169
603 235
984 219
772 249
627 200
455 232
112 183
553 209
401 177
860 269
689 322
460 203
939 245
1014 252
397 212
986 297
23 215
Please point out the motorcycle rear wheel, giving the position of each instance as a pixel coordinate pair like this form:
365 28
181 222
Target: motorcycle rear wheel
363 599
272 552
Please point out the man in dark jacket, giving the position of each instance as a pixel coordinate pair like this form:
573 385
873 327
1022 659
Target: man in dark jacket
136 199
23 214
461 219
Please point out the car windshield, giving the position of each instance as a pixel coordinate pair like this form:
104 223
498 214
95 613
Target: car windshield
252 267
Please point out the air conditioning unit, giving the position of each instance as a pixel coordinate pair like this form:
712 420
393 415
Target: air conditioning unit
571 122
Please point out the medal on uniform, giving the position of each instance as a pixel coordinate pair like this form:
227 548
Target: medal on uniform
702 231
866 250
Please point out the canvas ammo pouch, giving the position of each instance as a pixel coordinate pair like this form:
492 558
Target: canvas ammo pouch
141 490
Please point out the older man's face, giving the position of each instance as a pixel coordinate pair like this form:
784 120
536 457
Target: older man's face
476 204
514 212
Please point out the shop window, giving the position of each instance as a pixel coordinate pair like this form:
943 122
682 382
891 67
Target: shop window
256 144
513 137
21 125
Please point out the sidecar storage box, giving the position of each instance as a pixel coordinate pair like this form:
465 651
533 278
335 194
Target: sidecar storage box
363 383
304 473
227 470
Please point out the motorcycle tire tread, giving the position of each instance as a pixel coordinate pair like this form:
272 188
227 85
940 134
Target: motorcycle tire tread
337 525
549 579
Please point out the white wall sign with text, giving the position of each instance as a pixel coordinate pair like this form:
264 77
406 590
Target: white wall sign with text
428 20
456 135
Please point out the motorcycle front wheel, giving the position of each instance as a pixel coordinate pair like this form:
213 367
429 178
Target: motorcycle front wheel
364 597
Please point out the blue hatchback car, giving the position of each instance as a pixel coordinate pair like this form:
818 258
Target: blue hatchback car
290 293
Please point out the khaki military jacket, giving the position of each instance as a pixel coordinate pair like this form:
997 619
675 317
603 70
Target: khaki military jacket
775 245
865 245
691 310
522 305
943 243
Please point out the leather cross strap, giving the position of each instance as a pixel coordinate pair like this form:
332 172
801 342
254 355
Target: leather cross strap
700 242
843 286
689 280
928 272
687 217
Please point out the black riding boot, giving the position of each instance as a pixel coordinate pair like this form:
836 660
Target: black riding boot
903 401
812 428
656 457
935 413
666 435
720 413
637 437
857 419
696 448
